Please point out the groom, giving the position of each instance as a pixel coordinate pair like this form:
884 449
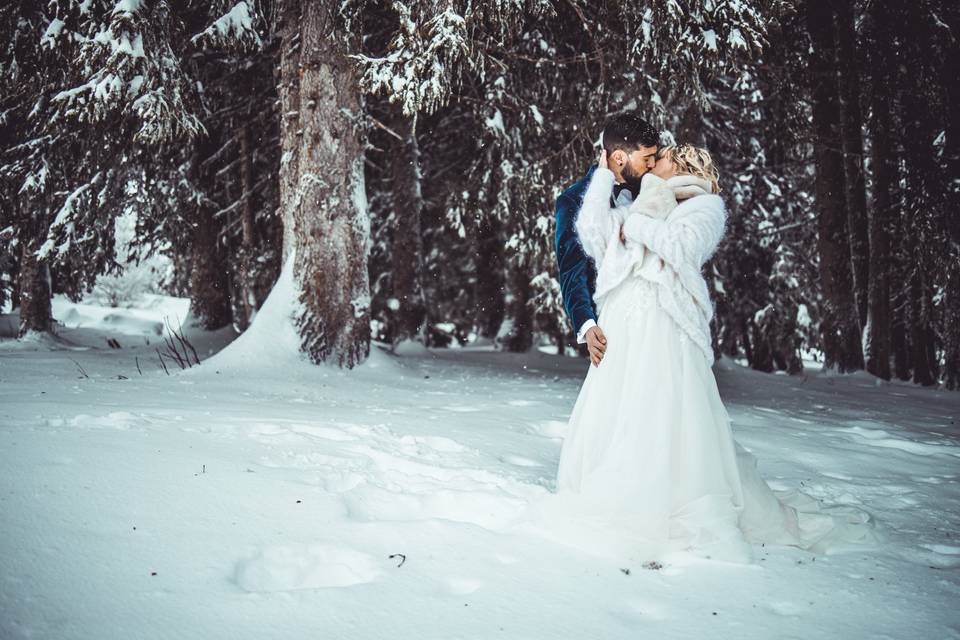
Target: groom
631 144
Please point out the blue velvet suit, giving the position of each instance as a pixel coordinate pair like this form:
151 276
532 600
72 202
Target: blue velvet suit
578 274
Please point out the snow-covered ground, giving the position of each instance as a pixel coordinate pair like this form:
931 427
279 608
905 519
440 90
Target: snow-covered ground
257 496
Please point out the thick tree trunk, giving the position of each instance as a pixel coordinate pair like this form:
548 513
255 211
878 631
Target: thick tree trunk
899 331
209 278
330 217
209 282
856 191
839 325
923 185
520 338
490 281
407 249
877 332
762 357
36 313
290 134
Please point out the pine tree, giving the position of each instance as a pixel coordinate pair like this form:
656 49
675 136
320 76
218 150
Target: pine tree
328 206
848 59
839 324
951 172
878 329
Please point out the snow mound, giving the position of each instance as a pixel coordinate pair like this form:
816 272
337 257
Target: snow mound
305 566
272 339
40 341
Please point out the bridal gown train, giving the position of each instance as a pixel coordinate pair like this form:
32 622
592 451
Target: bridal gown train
649 465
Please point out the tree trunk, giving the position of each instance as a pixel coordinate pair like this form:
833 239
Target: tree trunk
951 148
36 312
248 249
490 281
839 325
209 279
951 338
899 333
520 338
762 357
209 283
923 185
919 322
951 153
290 133
330 217
877 332
407 249
856 191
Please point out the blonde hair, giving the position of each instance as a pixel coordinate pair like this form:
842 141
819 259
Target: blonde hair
694 161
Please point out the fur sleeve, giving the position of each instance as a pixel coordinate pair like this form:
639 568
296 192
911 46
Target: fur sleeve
690 235
656 198
594 222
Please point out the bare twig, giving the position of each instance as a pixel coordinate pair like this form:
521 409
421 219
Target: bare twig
162 363
172 352
186 343
82 370
386 128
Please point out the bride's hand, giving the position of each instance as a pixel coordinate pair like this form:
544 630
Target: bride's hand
602 160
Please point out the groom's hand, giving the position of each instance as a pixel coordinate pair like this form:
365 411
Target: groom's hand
596 344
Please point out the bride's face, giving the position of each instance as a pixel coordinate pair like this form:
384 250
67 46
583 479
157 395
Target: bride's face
664 167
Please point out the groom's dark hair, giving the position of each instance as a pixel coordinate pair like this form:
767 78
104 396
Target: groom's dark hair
628 132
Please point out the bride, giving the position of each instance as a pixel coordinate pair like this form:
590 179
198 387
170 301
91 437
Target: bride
649 464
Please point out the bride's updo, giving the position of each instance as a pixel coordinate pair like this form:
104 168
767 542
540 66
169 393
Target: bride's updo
692 160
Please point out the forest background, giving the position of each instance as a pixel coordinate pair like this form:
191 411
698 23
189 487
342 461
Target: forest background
407 155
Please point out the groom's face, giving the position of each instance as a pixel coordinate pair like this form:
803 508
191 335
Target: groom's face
629 167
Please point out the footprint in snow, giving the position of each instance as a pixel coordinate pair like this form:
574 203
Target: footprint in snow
550 429
305 566
943 549
838 476
492 511
462 586
120 420
520 461
325 433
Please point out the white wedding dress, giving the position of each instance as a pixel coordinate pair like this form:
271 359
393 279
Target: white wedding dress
649 467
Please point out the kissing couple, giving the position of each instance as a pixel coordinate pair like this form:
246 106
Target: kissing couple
649 453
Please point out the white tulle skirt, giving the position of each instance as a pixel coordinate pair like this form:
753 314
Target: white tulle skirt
649 466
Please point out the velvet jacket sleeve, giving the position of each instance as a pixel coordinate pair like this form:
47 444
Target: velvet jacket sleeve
573 264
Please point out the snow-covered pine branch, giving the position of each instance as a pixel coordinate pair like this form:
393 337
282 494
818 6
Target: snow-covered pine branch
235 28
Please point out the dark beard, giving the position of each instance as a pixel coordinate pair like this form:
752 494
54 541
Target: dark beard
631 180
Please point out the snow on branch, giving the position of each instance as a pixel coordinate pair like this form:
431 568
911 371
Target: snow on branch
422 62
125 65
235 28
63 222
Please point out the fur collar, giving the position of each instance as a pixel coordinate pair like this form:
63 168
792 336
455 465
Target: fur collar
688 186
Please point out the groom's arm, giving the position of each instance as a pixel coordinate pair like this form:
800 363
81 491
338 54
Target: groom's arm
573 267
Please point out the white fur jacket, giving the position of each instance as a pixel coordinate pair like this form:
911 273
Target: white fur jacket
666 243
